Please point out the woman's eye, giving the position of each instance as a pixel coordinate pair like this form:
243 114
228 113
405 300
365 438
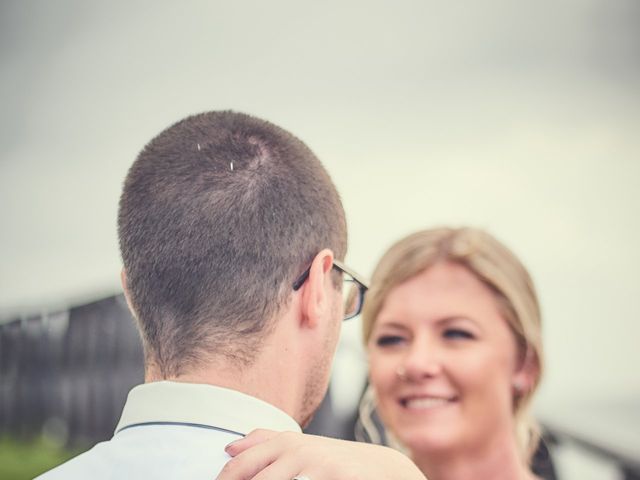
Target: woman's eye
456 333
389 340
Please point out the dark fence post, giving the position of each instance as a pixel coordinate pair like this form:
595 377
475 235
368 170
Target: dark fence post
10 342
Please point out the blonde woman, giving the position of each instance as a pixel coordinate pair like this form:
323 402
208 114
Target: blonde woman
452 328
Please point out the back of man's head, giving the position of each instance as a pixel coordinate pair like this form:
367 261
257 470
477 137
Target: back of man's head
219 214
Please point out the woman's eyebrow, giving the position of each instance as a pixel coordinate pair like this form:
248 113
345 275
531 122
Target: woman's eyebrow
392 325
458 318
454 318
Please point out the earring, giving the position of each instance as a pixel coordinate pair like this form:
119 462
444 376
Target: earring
518 386
402 373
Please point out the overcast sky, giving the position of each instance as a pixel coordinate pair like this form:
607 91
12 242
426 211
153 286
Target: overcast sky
520 117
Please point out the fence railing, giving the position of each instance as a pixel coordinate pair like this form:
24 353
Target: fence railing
628 466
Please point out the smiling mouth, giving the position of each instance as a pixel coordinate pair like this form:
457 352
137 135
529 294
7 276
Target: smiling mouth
426 403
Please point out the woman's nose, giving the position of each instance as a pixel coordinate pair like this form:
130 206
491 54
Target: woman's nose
422 360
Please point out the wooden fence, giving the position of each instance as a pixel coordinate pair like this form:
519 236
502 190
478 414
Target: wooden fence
67 374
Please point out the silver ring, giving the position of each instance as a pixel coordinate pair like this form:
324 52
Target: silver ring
300 477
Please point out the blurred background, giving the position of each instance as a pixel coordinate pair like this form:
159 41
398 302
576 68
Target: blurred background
521 118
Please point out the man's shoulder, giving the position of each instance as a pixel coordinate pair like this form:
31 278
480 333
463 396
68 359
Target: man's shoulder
157 451
90 463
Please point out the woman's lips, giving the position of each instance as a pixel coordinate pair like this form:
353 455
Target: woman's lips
426 402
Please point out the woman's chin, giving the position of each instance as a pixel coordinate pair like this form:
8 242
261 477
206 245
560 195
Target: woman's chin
419 444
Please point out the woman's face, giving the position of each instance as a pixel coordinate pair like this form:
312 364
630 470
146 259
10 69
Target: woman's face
443 361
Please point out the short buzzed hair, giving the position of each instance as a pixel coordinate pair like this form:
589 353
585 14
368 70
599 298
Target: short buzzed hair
218 216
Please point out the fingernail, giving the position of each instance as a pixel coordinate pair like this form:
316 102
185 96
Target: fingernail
231 444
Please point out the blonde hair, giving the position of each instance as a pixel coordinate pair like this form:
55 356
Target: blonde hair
497 267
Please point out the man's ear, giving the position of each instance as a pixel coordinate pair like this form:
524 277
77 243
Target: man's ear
316 291
125 289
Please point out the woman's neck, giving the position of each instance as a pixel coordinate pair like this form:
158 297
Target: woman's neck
496 460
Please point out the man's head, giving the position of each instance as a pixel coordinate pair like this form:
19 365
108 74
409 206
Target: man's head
219 215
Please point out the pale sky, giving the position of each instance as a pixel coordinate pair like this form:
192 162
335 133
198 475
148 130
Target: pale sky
521 118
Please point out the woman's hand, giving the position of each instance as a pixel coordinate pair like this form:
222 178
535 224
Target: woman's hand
267 455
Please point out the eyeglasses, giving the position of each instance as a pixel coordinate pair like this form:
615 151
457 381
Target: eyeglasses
353 288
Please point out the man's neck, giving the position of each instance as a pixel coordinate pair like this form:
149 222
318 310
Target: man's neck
271 384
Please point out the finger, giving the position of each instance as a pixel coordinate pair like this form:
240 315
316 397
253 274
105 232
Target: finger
236 469
254 438
284 468
247 464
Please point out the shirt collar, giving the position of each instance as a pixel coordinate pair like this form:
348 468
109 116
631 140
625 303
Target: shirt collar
200 404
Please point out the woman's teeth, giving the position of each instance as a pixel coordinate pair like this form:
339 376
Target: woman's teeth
425 402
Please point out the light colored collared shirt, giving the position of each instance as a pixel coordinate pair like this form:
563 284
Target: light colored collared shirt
174 430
